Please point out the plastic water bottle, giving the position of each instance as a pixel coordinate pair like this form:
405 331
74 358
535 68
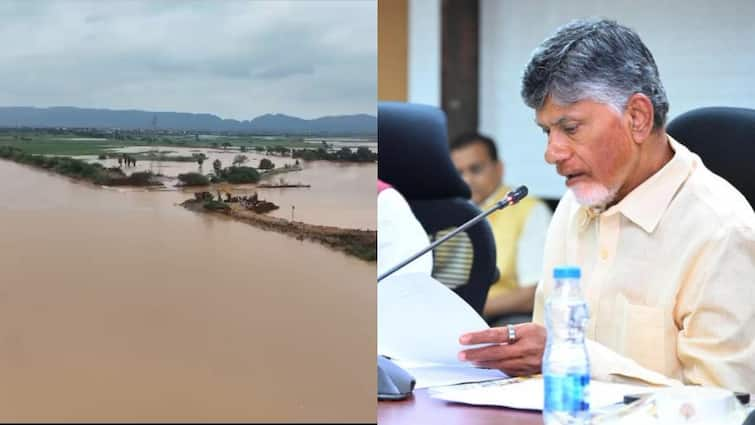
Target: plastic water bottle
566 368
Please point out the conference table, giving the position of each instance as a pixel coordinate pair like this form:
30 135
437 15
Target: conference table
420 408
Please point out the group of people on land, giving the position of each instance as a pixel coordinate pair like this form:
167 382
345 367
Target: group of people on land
128 160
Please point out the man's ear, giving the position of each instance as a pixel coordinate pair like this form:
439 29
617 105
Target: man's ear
640 112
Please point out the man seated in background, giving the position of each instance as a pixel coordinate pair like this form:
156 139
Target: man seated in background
519 234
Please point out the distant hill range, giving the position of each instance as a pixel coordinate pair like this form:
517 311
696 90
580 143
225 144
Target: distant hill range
273 124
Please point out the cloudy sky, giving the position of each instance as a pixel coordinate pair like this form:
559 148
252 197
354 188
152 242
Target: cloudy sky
235 59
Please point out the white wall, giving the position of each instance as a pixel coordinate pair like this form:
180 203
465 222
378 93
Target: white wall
424 52
705 51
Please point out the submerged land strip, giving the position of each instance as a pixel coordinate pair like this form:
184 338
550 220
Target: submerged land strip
356 242
79 170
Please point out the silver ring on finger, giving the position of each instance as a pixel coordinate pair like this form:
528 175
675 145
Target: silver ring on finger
512 333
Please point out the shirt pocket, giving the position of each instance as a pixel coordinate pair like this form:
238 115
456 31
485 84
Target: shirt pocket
642 335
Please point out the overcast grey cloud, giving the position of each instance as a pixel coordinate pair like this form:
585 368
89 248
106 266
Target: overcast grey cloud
235 59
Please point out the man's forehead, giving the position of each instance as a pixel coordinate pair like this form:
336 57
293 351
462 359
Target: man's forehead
472 152
473 147
553 114
558 120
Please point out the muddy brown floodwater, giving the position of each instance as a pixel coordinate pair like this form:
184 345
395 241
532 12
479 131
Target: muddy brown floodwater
120 305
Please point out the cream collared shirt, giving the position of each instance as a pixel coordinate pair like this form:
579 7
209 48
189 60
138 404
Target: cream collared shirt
669 277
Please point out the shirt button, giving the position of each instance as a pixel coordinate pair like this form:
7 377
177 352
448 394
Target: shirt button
604 254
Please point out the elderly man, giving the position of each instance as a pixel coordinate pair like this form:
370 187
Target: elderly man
666 247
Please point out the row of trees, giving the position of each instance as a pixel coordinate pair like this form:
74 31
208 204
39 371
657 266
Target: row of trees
362 154
265 164
236 173
233 174
78 169
71 167
225 145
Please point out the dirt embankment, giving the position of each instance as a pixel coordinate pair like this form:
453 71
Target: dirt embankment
356 242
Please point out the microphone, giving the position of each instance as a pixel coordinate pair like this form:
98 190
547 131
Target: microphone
511 198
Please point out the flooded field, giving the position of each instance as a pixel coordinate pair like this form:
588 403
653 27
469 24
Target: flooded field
336 196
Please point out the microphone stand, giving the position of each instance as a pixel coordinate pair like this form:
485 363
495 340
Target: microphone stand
510 199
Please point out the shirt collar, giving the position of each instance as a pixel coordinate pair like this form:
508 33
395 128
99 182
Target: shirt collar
496 196
646 204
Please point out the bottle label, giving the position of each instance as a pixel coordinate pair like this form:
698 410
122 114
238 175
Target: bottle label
568 393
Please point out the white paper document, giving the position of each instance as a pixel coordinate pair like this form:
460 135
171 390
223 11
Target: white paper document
421 320
429 375
529 393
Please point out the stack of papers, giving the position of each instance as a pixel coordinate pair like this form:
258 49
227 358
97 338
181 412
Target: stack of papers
528 393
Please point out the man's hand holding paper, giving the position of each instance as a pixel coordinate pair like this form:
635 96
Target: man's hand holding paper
523 356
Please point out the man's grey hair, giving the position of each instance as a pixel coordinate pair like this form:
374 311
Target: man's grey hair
594 59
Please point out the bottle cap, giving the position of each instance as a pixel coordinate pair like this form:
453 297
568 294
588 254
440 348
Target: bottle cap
566 272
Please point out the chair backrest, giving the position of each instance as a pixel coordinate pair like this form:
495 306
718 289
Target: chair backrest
439 214
413 152
724 137
415 159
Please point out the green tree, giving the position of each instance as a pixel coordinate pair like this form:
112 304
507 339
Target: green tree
266 164
193 179
364 153
200 158
344 154
241 175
